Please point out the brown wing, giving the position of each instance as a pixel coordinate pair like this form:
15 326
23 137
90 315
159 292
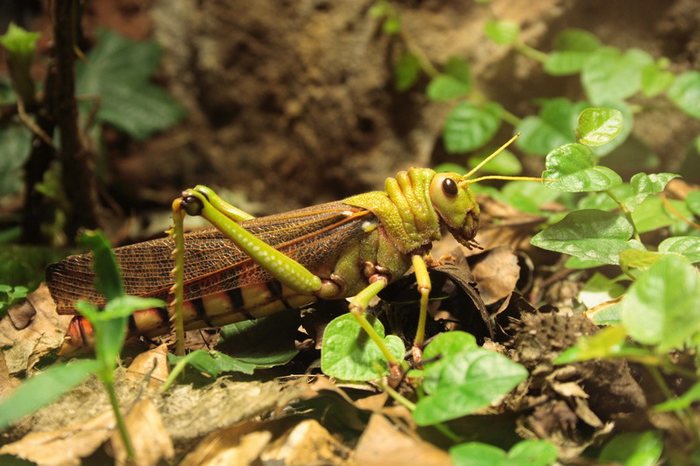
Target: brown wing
314 236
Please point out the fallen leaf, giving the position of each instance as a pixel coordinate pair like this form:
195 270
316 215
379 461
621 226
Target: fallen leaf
25 346
496 272
241 444
149 438
152 364
306 443
382 444
64 447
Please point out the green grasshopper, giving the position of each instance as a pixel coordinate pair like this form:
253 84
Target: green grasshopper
246 268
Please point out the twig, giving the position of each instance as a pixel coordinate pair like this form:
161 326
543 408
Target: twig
78 177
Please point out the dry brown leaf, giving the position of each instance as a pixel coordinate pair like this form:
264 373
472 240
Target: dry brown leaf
239 445
373 402
306 443
383 444
64 447
497 272
149 438
153 364
190 413
43 334
7 382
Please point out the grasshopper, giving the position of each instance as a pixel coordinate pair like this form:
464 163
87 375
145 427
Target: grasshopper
247 268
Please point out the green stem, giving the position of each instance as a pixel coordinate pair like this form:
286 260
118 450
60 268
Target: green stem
510 118
479 99
121 424
628 214
179 367
425 64
406 403
530 52
399 398
686 419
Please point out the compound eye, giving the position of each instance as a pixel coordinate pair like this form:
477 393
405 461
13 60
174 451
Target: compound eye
449 187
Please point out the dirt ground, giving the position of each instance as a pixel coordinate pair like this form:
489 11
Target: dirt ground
292 103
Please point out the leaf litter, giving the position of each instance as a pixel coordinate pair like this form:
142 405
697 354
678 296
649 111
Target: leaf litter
291 414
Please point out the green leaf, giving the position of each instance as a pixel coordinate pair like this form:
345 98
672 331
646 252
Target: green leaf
656 79
265 342
469 127
474 379
19 41
505 164
455 82
125 305
634 449
138 111
682 402
598 126
118 71
644 185
685 93
527 196
688 246
607 342
638 259
212 362
565 63
43 389
576 40
108 280
533 453
572 47
588 234
625 131
599 284
608 315
391 25
652 214
571 168
406 72
663 306
349 354
553 127
16 142
477 454
610 75
577 263
459 69
440 352
692 200
379 9
110 334
444 87
451 168
502 32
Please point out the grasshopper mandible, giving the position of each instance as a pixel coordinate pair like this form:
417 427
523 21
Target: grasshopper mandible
246 268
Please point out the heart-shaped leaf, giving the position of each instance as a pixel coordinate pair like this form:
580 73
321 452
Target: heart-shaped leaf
571 168
349 354
663 306
594 235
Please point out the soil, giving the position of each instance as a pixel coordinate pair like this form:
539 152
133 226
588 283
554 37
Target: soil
292 103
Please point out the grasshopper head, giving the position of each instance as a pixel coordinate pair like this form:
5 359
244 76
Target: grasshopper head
456 206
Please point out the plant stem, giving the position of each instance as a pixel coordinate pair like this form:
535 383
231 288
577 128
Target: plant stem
530 52
121 424
683 415
510 118
628 214
406 403
425 64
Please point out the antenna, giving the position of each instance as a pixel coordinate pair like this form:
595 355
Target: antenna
466 180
